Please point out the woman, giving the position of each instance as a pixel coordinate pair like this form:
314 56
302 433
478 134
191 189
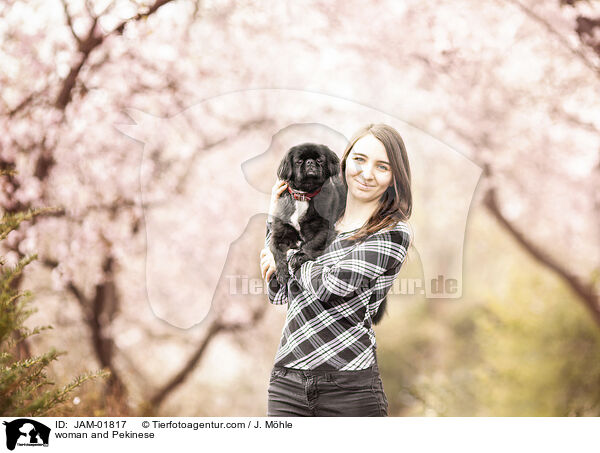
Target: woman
326 363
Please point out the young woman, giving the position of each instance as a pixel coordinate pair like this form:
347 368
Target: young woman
326 363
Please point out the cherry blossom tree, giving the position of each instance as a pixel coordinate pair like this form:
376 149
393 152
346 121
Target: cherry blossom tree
510 84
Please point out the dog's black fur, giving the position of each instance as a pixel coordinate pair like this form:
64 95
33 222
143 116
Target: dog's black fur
308 225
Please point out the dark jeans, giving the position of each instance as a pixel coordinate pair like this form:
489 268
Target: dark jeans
304 393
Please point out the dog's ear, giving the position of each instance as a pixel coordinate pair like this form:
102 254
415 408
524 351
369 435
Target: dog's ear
333 162
285 170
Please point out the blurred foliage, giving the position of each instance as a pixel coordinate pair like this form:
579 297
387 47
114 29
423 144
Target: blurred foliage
25 387
533 352
539 352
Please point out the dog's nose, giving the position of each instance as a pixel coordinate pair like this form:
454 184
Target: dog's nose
311 166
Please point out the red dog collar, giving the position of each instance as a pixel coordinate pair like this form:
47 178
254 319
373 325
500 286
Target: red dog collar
302 196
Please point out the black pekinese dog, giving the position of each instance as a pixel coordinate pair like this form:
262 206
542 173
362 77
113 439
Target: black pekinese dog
306 213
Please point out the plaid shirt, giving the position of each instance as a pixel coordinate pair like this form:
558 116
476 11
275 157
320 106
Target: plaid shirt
331 301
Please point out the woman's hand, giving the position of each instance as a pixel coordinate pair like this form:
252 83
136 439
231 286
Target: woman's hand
279 187
267 264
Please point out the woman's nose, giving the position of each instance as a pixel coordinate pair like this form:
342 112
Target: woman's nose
367 171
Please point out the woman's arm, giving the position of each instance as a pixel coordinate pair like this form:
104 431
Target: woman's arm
276 293
378 254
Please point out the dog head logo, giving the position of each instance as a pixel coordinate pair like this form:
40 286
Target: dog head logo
26 432
206 172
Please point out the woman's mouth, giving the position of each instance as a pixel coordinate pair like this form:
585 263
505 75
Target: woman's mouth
362 185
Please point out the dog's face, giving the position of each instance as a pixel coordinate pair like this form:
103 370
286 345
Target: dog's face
306 167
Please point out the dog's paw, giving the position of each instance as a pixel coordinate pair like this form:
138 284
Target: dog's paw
282 278
297 260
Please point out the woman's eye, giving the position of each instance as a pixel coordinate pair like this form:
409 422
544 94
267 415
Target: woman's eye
383 167
358 159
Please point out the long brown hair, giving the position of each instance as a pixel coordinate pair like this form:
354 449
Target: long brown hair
395 203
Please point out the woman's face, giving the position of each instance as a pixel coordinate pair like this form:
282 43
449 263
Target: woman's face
368 171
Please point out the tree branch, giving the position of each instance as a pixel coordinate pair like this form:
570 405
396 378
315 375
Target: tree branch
87 45
70 21
563 41
246 126
25 102
585 292
98 312
215 328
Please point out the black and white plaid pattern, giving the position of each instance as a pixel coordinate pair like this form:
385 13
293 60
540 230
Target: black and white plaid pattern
331 301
